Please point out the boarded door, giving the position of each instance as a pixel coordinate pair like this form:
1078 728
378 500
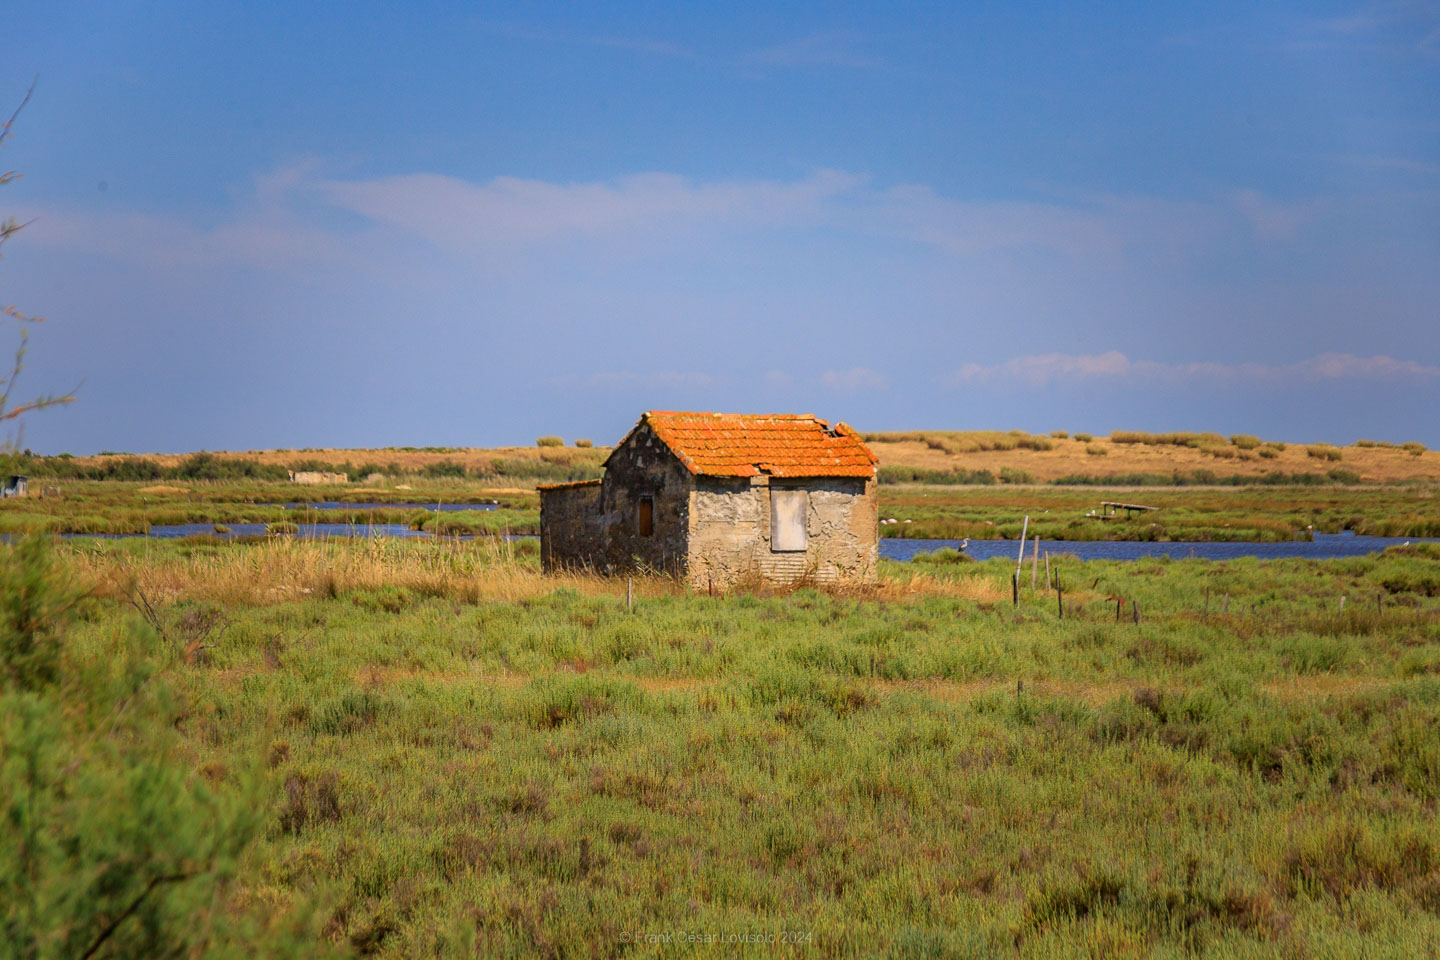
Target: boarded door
787 519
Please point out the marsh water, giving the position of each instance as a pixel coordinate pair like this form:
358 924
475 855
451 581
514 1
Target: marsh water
1323 547
343 505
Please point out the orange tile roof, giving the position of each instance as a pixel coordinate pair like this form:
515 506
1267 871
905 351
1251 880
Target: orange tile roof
750 444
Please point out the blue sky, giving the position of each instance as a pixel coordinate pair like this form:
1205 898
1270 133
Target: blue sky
296 225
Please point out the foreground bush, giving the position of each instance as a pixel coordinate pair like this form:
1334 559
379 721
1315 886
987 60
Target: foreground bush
110 845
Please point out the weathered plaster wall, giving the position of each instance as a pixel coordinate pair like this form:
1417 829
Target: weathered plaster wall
730 532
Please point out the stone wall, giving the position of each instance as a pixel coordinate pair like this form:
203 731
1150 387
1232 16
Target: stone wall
640 467
597 525
730 532
569 533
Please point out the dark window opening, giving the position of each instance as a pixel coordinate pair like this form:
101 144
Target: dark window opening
645 518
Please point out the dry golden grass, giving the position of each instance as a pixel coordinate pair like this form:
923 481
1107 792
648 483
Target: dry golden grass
406 460
966 450
285 570
1069 456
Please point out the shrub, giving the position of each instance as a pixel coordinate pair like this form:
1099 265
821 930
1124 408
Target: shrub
1095 450
444 468
1268 452
1364 443
1413 448
1131 436
897 474
1060 434
1084 437
584 443
1323 451
1035 443
1275 445
1341 475
33 605
944 555
1012 475
1244 441
549 442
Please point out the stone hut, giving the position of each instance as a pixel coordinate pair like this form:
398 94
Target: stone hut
722 498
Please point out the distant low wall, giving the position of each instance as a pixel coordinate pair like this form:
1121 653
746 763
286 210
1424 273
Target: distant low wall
317 476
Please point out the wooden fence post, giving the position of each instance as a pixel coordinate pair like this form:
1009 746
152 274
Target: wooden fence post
1135 609
1035 562
1015 588
629 593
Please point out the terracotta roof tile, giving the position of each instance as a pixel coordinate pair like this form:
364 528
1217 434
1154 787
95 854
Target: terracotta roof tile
747 445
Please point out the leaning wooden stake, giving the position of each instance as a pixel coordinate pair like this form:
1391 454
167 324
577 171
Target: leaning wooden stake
1226 611
1020 557
629 593
1015 588
1047 569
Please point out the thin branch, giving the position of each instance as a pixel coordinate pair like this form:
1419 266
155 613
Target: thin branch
130 910
41 404
5 130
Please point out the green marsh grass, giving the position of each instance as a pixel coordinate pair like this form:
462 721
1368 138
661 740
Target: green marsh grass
469 758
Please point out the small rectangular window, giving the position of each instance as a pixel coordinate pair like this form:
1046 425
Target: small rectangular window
645 517
787 519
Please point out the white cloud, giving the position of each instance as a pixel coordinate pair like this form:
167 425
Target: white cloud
1038 370
855 378
831 48
481 218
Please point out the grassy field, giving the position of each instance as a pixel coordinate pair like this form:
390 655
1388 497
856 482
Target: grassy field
1239 513
1012 457
1130 454
460 757
921 510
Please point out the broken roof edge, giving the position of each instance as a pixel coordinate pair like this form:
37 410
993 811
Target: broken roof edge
845 430
567 485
